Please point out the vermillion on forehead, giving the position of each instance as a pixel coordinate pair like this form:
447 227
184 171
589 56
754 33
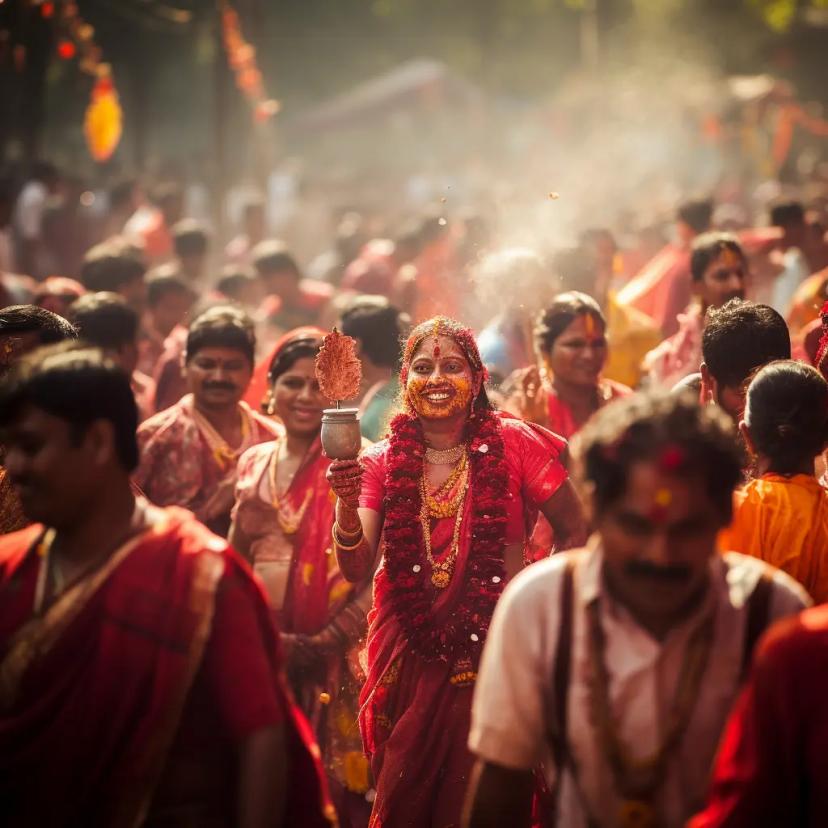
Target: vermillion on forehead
730 258
439 347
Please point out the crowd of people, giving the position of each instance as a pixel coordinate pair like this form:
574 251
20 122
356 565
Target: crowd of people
567 581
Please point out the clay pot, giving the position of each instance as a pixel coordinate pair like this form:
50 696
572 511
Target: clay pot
341 439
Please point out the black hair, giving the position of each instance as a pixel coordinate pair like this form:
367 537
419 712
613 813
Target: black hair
786 213
110 265
270 256
222 326
290 354
190 238
379 326
659 426
707 247
105 320
78 385
24 319
167 193
787 413
565 308
234 280
696 213
740 337
160 285
121 193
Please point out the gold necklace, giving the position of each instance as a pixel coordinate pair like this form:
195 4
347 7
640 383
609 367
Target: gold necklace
444 457
223 454
452 479
441 571
289 519
444 504
638 780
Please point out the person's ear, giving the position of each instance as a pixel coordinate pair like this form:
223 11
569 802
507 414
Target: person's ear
708 385
99 442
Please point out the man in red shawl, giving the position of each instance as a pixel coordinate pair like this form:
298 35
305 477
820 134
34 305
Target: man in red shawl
140 677
189 452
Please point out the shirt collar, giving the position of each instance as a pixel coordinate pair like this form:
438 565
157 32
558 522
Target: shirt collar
592 586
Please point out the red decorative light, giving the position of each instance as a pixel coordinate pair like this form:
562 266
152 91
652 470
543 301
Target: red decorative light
47 10
66 50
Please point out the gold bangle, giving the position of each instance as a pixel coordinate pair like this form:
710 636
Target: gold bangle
348 536
346 547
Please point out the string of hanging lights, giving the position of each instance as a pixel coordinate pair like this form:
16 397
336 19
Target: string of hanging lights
241 55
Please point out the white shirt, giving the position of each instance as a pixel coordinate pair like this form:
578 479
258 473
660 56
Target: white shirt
28 214
514 685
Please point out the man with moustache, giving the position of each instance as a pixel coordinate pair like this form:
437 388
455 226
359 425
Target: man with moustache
718 268
189 451
614 666
140 675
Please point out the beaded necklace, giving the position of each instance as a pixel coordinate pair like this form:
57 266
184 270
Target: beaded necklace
637 781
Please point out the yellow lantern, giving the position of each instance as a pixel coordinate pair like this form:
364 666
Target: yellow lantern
104 119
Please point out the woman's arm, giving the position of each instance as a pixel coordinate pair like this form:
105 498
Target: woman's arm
566 515
357 530
356 538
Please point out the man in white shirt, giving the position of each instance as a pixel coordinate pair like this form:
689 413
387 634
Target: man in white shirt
32 257
614 667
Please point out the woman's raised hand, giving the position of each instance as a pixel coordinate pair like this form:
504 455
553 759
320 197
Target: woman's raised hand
345 477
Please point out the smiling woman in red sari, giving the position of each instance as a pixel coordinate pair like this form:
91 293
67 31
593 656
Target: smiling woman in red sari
566 387
282 524
450 495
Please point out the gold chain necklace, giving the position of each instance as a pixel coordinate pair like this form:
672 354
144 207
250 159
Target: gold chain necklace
638 780
444 457
223 454
289 519
442 503
441 571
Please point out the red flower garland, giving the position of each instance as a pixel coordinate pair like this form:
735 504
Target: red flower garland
405 580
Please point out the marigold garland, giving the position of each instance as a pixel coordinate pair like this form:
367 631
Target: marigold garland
404 582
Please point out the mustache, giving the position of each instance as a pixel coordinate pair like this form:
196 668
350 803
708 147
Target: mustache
219 386
668 573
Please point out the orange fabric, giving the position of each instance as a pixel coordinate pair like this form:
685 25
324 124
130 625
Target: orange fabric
784 521
662 288
807 301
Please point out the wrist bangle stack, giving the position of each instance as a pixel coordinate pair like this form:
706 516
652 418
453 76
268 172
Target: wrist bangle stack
352 542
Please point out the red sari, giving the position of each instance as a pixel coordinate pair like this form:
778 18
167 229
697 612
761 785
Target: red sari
106 690
414 718
315 593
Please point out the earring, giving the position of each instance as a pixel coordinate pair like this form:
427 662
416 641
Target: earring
269 404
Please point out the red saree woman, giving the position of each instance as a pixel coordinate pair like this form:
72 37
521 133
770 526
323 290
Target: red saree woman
282 523
451 496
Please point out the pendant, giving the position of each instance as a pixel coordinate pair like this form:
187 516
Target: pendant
635 813
440 578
